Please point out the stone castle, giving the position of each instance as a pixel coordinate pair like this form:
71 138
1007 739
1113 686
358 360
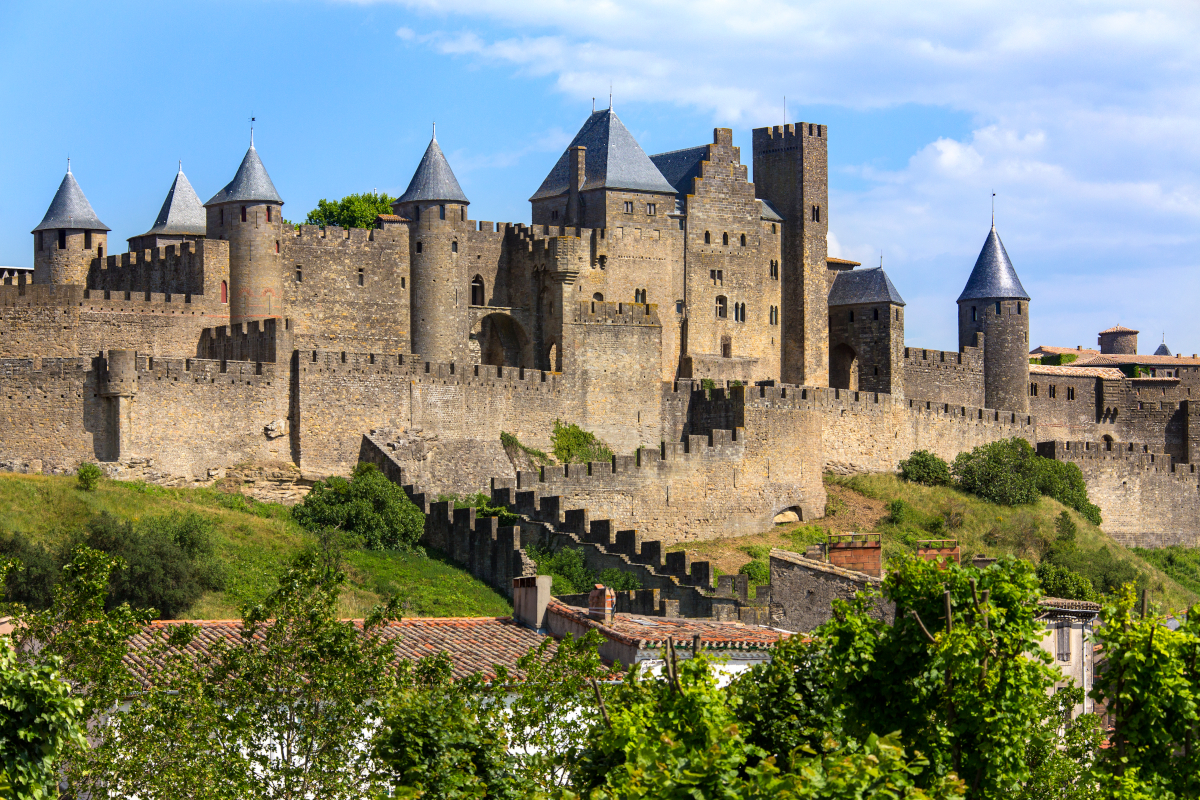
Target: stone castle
692 319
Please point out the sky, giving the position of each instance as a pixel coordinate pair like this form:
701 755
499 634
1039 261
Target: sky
1082 117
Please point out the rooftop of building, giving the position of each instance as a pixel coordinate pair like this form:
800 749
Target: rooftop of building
842 262
182 213
251 183
822 566
993 276
1118 359
1118 329
1073 371
855 286
1047 350
70 209
433 181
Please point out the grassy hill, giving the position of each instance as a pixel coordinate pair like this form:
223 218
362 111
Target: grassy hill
867 503
253 540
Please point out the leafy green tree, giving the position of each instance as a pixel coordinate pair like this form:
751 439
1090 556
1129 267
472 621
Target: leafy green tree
352 211
1003 472
1063 750
925 467
33 572
1058 581
88 476
368 506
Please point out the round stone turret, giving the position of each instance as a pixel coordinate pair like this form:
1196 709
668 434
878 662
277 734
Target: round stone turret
248 213
120 377
436 208
69 238
994 308
1118 340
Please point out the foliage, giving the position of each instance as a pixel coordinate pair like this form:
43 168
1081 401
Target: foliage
1063 750
1058 581
1002 472
959 674
511 442
758 570
88 475
1106 573
352 211
926 468
32 573
1065 527
483 507
369 507
574 445
708 385
571 574
1063 480
1180 563
39 721
1056 359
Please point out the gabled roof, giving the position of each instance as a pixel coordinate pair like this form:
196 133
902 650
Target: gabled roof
70 209
855 286
680 167
433 180
250 184
993 276
614 160
181 212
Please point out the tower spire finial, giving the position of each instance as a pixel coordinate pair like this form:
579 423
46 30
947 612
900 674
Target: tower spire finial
68 165
993 209
181 165
610 95
252 119
435 130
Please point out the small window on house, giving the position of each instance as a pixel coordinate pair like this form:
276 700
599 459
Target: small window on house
725 238
360 276
997 308
743 240
651 209
875 313
603 261
418 247
1070 392
707 237
1033 390
816 213
243 213
268 213
1018 307
1053 391
1064 641
62 240
726 347
628 207
678 306
721 307
441 212
299 274
224 292
454 247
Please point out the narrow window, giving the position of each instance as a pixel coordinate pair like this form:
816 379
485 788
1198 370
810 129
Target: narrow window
743 240
1070 392
243 213
772 227
462 214
816 213
726 347
221 215
360 276
851 317
875 313
651 209
418 247
100 252
441 212
974 314
721 277
1018 307
299 274
454 247
268 213
477 298
1053 391
997 308
1064 641
818 131
62 240
87 240
678 306
721 306
224 292
897 315
1033 390
707 238
276 245
628 207
553 215
39 240
810 127
402 281
725 238
417 213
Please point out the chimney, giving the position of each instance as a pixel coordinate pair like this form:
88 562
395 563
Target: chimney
860 552
578 173
530 596
601 602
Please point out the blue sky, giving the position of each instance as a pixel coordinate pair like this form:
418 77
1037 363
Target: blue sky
1084 117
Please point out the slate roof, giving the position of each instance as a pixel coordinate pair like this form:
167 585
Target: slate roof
181 212
474 644
1118 329
768 212
993 275
1163 350
863 286
70 209
681 167
614 160
433 181
250 184
651 632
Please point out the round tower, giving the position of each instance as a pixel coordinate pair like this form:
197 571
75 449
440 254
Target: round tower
248 213
436 208
994 306
1118 340
69 238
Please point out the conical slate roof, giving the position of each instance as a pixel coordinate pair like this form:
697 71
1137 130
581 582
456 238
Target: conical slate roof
1163 350
181 212
250 184
853 286
70 209
993 276
434 180
614 160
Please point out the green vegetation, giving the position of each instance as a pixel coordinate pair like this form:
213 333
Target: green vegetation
483 507
510 442
572 575
352 211
1055 360
574 445
368 507
88 476
925 467
1182 564
251 541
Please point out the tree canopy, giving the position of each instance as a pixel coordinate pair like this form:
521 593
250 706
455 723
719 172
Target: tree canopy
352 211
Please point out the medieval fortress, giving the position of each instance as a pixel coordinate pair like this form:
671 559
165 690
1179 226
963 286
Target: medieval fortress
692 319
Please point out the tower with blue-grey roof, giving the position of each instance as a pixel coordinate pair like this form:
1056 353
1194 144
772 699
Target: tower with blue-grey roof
993 312
69 237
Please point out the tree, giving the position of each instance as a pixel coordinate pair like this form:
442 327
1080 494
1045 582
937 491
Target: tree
369 507
925 467
352 211
1003 472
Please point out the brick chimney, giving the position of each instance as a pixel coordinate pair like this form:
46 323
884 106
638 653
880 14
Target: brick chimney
601 603
530 596
861 552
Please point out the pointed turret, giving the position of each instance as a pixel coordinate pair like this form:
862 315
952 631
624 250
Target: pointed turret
434 181
993 312
1162 349
180 219
69 238
251 184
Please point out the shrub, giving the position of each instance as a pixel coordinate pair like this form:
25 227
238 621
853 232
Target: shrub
1004 472
483 507
88 476
571 575
574 445
511 443
758 570
1065 527
34 572
1063 481
1106 572
926 468
368 506
1061 582
756 551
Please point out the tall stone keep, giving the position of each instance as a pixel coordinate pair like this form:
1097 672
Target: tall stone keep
68 238
248 213
436 209
994 306
791 172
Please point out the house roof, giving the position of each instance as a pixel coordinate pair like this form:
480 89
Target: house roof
1118 329
474 644
70 209
767 211
1115 359
1072 371
842 261
652 632
614 160
1063 604
433 181
181 212
1048 350
822 566
855 286
250 184
993 276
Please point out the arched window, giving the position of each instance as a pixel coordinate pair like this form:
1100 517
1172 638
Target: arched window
743 240
725 238
598 297
707 237
477 293
722 306
454 247
224 292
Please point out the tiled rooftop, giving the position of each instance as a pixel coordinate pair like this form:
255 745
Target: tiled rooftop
652 632
1068 605
821 566
1110 373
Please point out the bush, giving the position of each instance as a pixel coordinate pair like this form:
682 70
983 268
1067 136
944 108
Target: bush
1004 472
88 476
574 445
34 574
1106 572
368 506
571 574
1063 481
759 571
1058 581
1065 527
926 468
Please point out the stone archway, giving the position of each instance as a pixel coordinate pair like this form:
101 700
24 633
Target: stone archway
843 368
502 341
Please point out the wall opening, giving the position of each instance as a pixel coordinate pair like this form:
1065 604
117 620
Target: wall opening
843 368
477 291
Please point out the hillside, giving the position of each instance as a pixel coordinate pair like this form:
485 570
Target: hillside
862 503
253 540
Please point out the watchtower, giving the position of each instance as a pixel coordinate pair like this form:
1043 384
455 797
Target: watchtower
248 214
436 208
994 305
791 172
1118 340
68 238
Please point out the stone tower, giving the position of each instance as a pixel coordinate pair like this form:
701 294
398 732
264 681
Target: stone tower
994 306
68 238
791 172
436 208
248 214
1118 340
866 333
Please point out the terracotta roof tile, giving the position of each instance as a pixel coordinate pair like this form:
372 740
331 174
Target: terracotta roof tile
1119 329
1072 371
652 632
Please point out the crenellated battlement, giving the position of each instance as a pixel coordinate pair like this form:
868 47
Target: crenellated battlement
258 340
119 302
332 235
1132 453
50 368
320 362
204 370
969 359
40 295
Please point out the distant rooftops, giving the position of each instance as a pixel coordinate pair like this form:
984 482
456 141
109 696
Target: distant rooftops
854 286
1118 329
70 209
433 181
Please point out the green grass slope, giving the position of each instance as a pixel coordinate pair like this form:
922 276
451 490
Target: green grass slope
253 540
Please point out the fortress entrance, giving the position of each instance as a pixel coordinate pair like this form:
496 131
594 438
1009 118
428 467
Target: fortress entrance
843 368
502 341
